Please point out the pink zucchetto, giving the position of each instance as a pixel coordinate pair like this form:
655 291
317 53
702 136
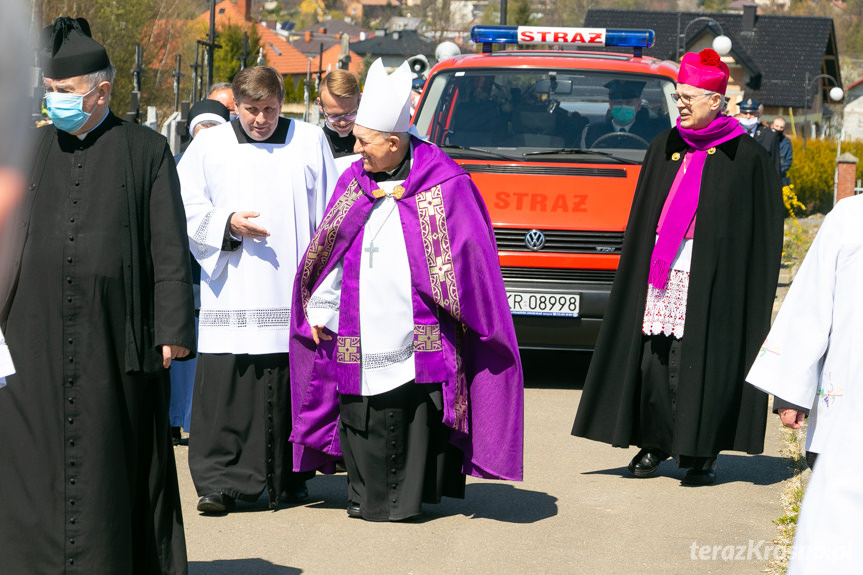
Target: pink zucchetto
704 70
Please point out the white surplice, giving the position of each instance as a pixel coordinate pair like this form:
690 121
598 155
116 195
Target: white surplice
246 292
344 162
814 352
386 310
828 538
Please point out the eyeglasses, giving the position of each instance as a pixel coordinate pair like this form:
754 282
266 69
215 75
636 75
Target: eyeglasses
685 98
341 117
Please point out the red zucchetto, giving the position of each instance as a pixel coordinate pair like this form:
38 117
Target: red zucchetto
704 70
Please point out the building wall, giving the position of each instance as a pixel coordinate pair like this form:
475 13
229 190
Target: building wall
853 123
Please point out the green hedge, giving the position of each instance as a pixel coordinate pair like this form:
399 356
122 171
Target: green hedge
813 170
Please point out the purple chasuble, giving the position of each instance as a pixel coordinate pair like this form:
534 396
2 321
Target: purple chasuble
463 333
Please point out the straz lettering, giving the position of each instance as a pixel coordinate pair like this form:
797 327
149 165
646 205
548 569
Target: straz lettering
566 203
546 35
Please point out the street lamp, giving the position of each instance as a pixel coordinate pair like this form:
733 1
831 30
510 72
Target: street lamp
722 43
836 94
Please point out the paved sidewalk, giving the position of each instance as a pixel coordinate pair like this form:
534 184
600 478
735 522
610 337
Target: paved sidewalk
576 512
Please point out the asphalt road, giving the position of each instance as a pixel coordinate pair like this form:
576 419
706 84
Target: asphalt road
577 511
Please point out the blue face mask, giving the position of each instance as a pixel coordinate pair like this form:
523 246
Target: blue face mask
623 114
748 123
67 110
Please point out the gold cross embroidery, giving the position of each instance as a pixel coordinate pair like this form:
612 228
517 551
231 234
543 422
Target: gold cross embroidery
427 202
427 338
441 268
349 348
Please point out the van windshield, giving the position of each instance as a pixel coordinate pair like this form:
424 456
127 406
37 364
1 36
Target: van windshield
524 111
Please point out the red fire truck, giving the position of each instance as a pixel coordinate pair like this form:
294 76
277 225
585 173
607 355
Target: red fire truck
544 135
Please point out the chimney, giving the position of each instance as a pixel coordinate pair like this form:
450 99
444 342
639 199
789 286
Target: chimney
308 37
749 14
245 8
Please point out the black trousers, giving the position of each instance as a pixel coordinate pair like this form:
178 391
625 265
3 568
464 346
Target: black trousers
397 452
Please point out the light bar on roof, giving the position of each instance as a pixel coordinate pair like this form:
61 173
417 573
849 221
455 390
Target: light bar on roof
582 37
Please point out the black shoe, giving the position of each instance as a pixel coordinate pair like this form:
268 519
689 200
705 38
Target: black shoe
646 462
176 436
703 473
215 503
354 510
296 493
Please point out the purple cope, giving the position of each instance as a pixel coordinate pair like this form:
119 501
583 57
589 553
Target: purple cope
463 332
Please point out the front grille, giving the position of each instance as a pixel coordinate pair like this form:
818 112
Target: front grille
561 241
558 274
521 169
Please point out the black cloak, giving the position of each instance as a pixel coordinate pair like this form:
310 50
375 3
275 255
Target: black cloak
735 266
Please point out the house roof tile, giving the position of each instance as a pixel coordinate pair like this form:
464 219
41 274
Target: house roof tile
782 48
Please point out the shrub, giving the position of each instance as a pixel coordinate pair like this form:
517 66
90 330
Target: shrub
812 173
855 147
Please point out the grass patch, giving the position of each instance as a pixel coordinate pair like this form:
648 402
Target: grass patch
791 497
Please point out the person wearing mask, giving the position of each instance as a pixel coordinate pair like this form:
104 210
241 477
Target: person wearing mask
625 116
750 119
786 150
100 305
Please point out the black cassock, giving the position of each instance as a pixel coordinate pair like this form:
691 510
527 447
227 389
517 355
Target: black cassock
737 246
88 482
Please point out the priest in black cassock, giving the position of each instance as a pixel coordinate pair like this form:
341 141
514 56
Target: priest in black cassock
98 304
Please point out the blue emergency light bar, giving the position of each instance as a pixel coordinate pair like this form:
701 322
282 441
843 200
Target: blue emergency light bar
580 37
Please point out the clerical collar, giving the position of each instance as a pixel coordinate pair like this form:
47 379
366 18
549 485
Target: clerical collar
399 173
340 145
68 142
280 136
93 129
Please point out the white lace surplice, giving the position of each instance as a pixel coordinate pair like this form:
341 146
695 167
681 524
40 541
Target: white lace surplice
665 310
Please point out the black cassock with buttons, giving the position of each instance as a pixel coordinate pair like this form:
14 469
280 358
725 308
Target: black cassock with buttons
88 482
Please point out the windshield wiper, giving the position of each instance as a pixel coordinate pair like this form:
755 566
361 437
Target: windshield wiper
582 151
478 150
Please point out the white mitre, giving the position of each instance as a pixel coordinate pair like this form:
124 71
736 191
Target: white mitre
386 102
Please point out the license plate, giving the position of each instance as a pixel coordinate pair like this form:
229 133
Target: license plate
550 304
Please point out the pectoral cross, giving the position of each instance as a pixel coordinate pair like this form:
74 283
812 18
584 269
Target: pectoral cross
371 251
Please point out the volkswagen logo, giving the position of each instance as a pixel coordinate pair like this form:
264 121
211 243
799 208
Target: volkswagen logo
534 240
